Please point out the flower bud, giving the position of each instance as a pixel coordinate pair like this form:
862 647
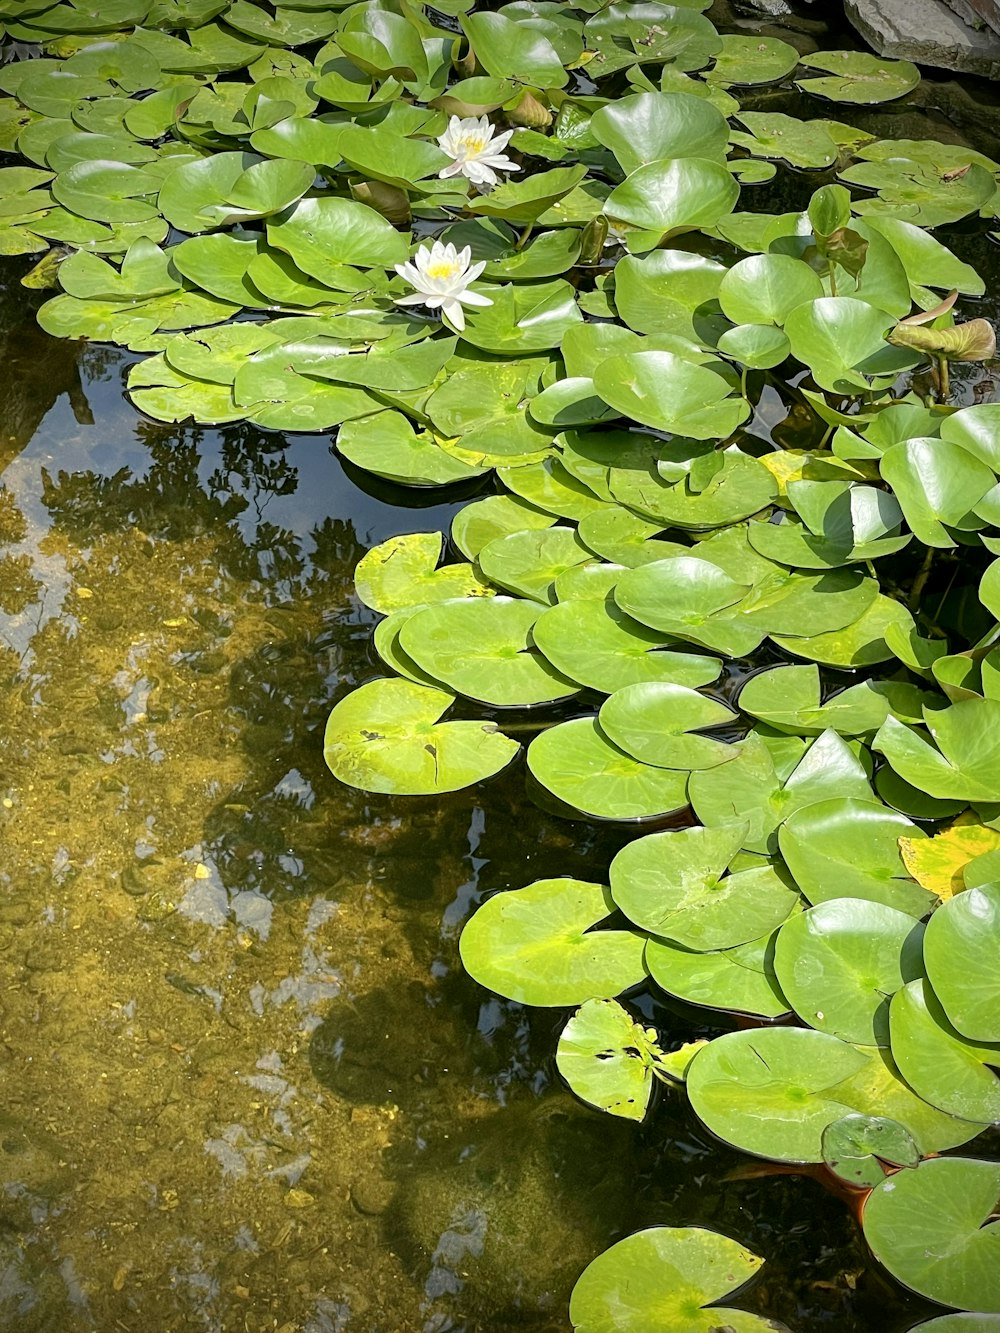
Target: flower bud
391 202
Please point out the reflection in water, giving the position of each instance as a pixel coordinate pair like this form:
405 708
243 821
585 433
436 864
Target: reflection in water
248 1087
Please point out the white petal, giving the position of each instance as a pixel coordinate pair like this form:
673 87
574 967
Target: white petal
474 298
501 141
464 255
452 169
454 313
475 271
415 298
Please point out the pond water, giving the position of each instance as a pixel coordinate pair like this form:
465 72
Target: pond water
247 1085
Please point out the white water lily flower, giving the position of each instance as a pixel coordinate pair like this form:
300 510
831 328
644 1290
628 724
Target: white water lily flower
441 276
477 150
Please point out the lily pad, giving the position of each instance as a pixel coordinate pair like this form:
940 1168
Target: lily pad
740 980
749 790
942 1066
858 77
386 737
597 644
788 698
673 884
660 1280
960 952
581 767
856 1147
403 571
935 1230
608 1059
963 762
654 722
537 945
841 962
673 195
528 563
848 846
773 1092
481 647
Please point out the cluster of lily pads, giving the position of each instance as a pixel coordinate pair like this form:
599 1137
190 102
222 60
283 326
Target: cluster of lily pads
506 244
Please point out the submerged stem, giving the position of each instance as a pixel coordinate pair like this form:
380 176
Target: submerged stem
923 573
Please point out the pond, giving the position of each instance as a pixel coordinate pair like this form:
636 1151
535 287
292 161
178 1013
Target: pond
249 1085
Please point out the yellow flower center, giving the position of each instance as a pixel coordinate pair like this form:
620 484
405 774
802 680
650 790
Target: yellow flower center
444 268
473 143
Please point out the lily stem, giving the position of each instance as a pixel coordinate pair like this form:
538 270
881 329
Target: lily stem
923 573
522 240
944 384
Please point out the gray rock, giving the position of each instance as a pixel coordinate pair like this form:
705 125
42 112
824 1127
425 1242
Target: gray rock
925 31
977 12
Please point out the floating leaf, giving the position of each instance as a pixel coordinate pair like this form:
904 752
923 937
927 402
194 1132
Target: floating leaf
386 737
608 1059
403 571
674 885
857 76
960 955
659 1280
653 721
938 862
773 1092
935 1231
579 765
856 1147
741 979
941 1065
841 962
849 846
481 647
537 945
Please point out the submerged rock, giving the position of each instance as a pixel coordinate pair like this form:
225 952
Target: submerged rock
506 1233
927 32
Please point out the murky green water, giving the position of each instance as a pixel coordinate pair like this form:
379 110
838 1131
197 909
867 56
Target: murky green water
246 1085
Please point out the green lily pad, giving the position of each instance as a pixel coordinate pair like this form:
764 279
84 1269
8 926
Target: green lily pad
653 721
800 143
773 1092
865 642
960 954
107 191
537 945
938 485
918 192
765 289
477 524
848 846
964 766
855 1148
858 77
386 737
788 698
509 50
673 195
648 127
663 390
841 962
752 60
403 571
659 1281
673 884
942 1066
597 644
323 235
547 485
692 599
608 1059
387 445
541 198
740 980
834 337
669 291
749 790
934 1229
527 563
581 767
524 319
731 486
481 647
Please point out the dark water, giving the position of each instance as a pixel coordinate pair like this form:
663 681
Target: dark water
246 1085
